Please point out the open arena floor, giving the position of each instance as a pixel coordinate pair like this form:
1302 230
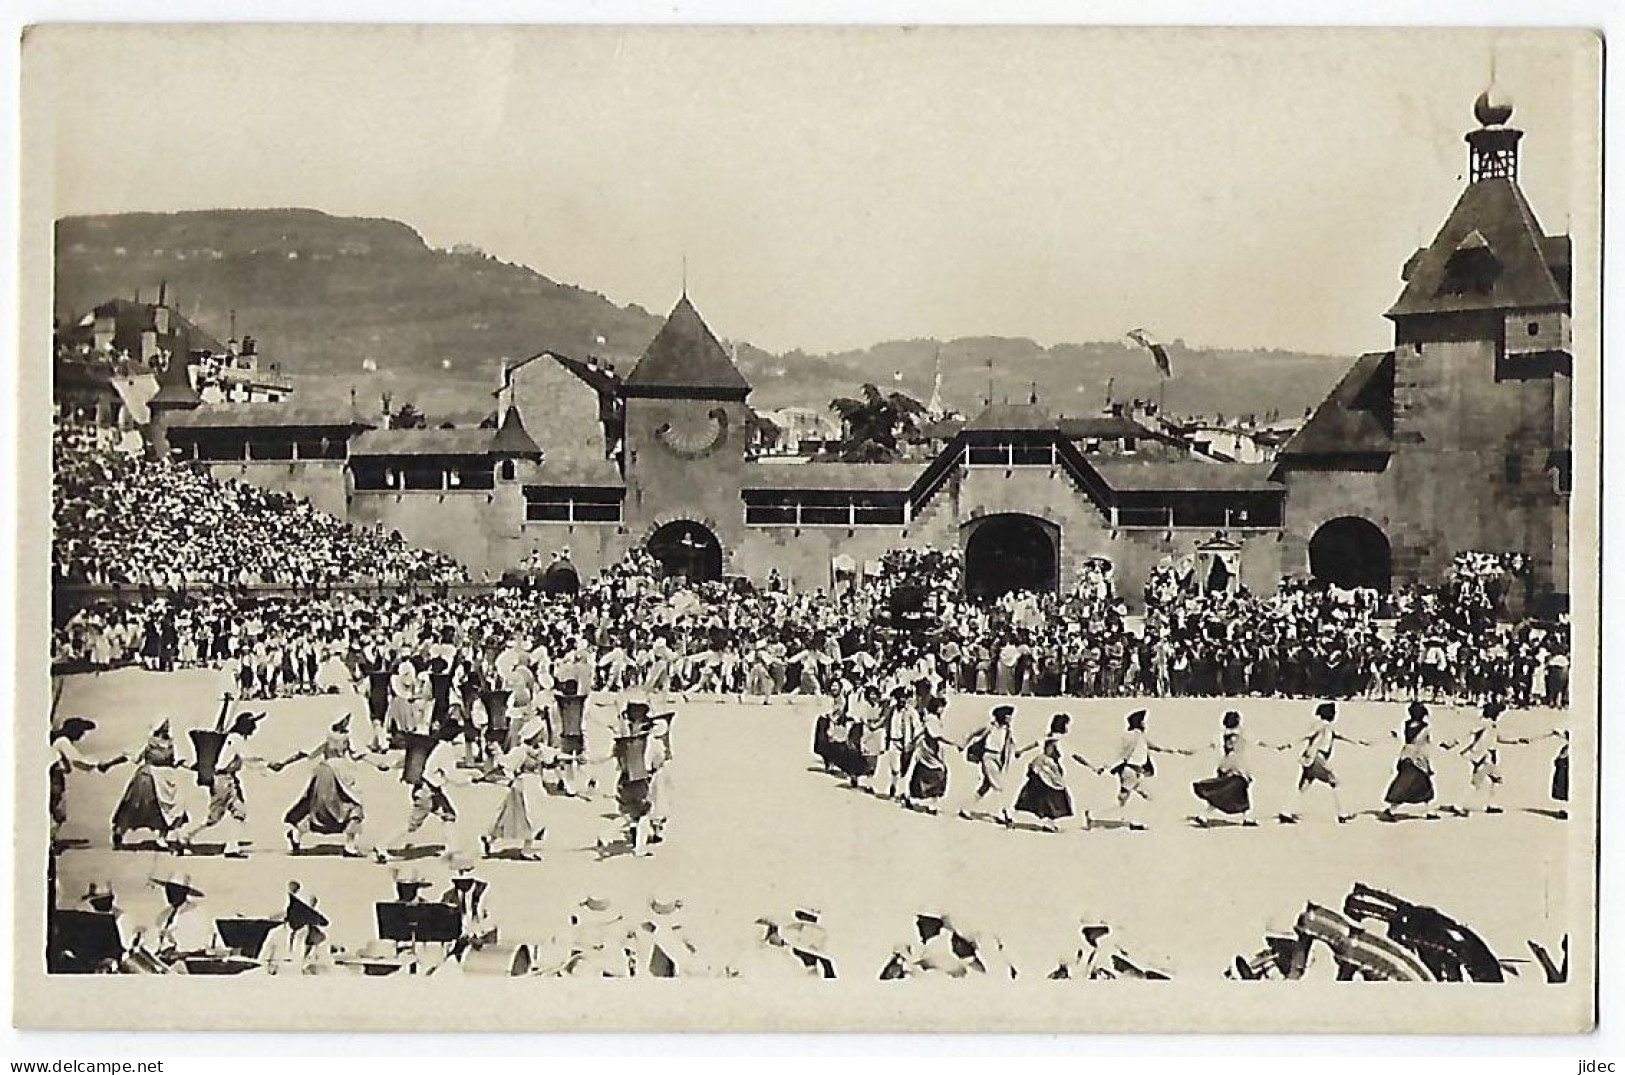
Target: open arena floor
758 827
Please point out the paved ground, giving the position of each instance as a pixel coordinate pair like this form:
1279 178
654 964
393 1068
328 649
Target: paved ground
757 828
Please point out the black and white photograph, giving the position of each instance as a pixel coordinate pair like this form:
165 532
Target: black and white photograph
938 528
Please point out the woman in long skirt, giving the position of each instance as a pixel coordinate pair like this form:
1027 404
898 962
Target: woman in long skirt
331 802
1045 794
518 820
151 799
928 768
1229 790
1413 775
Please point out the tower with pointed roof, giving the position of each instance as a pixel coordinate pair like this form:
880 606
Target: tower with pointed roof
687 424
1481 373
175 394
1457 440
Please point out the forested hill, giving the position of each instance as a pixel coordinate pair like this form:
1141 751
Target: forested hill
326 294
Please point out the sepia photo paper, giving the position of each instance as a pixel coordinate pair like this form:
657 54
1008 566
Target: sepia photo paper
1044 529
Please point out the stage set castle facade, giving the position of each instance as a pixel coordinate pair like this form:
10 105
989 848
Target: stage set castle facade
1457 439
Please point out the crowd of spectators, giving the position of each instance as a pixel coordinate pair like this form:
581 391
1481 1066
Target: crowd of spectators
123 519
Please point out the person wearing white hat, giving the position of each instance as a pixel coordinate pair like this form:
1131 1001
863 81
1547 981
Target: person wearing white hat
519 818
770 956
331 802
664 949
598 943
151 799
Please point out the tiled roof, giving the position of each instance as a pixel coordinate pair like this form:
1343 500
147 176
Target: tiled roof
380 442
293 415
1491 217
1356 417
1012 417
512 438
685 355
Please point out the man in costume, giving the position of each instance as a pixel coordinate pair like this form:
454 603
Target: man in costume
1316 761
219 765
992 749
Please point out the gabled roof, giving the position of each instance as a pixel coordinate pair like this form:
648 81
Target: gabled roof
1184 476
309 414
397 442
603 381
1012 418
512 438
1491 217
684 358
1356 417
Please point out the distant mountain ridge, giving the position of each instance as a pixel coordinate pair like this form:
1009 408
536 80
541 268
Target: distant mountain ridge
323 293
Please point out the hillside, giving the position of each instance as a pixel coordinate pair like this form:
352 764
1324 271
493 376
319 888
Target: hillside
323 294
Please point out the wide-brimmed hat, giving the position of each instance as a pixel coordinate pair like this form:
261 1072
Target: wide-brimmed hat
378 953
246 723
302 910
1004 711
596 910
178 880
410 877
1136 718
1093 922
664 903
75 726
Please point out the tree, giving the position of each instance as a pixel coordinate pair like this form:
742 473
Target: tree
871 426
408 417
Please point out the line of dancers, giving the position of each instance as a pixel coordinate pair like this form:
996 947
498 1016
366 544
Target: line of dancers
541 760
898 750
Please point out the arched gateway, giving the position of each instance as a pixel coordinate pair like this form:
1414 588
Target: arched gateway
1351 552
687 549
1011 552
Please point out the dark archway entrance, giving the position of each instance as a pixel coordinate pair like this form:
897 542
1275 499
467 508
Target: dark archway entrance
1351 552
688 550
1011 552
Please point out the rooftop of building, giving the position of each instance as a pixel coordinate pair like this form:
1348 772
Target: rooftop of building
1185 476
685 356
1356 417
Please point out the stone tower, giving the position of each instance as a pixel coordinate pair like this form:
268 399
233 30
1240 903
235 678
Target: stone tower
1480 377
687 424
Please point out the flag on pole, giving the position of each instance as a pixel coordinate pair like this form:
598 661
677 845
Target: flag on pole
1159 353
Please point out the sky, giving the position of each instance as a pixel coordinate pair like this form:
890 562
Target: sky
834 188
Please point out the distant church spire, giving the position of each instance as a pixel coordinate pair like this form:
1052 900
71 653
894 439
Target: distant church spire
935 408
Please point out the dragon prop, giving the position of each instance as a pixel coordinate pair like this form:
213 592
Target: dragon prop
1451 951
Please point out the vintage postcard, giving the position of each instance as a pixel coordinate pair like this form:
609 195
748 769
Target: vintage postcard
988 529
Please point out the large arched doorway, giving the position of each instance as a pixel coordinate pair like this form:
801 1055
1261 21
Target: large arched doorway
687 549
1351 552
1011 552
